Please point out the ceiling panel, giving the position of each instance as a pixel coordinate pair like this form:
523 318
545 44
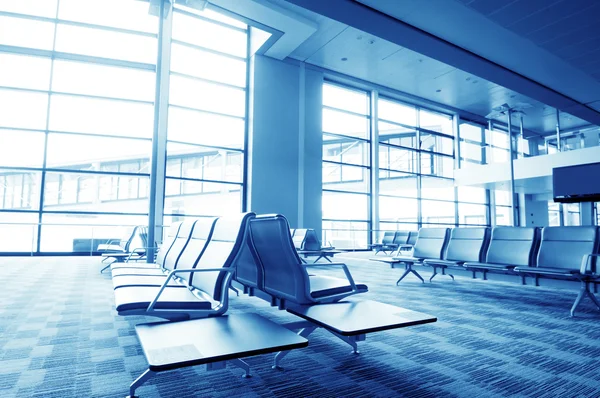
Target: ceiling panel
349 51
360 48
485 6
407 71
514 11
566 28
595 105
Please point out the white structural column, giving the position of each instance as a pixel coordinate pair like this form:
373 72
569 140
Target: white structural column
457 164
159 135
301 141
512 153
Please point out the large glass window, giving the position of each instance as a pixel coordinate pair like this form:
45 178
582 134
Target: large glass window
207 110
416 167
346 166
84 109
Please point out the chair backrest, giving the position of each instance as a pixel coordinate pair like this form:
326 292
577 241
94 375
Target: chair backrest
564 247
467 244
284 276
195 247
248 272
401 238
168 243
311 240
388 237
298 238
128 238
412 237
177 248
431 243
292 232
143 235
222 251
513 246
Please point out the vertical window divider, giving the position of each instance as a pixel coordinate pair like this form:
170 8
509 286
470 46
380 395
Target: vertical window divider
420 176
456 127
159 135
374 200
43 174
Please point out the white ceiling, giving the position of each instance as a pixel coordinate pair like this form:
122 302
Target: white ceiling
390 65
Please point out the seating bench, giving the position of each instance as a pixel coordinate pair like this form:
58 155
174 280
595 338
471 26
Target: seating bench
567 253
187 250
386 244
509 247
172 234
204 296
132 247
431 243
465 244
272 270
310 246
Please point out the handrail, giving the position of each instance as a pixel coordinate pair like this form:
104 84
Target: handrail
76 225
91 228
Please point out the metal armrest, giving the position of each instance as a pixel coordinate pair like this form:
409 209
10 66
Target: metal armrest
585 261
141 252
346 271
171 274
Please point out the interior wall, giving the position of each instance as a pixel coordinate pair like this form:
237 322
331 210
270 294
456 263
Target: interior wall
535 212
285 146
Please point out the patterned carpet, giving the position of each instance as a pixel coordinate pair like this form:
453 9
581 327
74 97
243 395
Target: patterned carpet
60 337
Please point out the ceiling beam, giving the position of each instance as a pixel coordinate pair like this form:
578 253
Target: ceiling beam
398 32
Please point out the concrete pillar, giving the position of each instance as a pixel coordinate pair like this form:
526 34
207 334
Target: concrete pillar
587 213
286 142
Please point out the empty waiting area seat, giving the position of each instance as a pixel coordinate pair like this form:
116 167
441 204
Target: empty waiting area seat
567 253
431 243
465 244
206 295
308 244
509 247
273 271
185 256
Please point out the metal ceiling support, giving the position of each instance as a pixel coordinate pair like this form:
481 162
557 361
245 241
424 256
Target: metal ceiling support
557 130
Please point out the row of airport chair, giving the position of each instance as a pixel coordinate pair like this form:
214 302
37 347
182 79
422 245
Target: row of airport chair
133 246
566 253
188 286
307 244
395 241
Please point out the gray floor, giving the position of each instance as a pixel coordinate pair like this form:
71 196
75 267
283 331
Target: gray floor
60 337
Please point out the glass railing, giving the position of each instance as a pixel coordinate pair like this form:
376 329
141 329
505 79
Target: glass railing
346 239
82 239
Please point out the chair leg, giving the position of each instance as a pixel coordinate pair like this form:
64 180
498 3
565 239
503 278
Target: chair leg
580 295
434 274
594 299
584 291
406 272
444 273
416 274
